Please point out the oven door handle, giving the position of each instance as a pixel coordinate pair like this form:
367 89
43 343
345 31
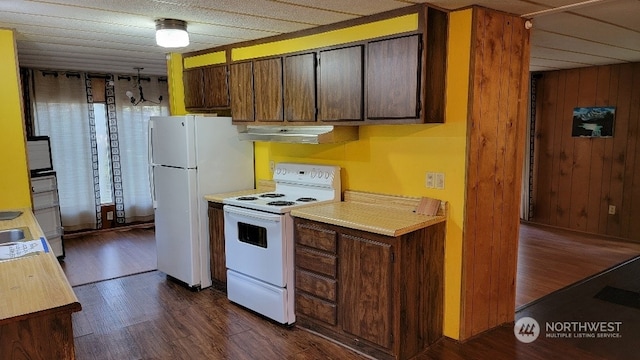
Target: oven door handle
252 213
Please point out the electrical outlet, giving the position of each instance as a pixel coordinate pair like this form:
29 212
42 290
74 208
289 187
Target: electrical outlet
430 181
612 209
272 166
439 181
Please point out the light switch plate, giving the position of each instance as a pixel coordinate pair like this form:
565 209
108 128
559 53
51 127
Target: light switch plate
430 180
439 181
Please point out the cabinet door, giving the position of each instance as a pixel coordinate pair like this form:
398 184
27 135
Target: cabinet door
365 295
300 87
216 243
216 86
193 88
267 75
340 84
241 90
393 78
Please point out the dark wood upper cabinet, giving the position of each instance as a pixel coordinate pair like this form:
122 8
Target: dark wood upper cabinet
340 87
300 87
216 86
267 77
206 87
393 78
193 88
241 91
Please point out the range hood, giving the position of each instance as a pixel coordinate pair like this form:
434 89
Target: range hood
326 134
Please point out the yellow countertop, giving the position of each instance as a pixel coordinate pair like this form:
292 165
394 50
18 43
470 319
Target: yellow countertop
374 218
32 284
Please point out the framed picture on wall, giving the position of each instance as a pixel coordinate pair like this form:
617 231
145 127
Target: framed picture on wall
593 121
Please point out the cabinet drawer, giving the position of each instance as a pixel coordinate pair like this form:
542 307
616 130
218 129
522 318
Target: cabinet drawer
45 199
319 286
316 308
316 261
44 183
316 237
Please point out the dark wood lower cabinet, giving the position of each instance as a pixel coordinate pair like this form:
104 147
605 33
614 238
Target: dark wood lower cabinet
366 276
216 246
380 295
43 335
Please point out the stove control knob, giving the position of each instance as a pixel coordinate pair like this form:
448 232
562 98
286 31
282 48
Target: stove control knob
313 173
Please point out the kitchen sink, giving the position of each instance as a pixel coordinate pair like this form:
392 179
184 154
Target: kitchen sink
17 234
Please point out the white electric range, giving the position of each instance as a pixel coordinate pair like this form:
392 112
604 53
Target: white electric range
259 237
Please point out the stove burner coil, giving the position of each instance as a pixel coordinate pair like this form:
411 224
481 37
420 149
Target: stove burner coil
247 198
280 203
271 195
306 199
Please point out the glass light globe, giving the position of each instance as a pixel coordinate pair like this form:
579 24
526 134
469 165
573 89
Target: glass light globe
172 38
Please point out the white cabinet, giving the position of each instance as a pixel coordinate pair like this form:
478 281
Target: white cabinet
46 207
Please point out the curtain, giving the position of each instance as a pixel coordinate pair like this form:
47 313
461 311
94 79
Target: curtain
132 124
60 109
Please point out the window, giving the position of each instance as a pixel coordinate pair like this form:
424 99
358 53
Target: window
101 163
104 153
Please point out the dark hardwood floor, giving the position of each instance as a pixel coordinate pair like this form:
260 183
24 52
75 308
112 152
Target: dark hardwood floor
109 254
550 259
146 316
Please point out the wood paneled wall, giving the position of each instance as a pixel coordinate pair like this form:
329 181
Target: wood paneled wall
498 94
576 179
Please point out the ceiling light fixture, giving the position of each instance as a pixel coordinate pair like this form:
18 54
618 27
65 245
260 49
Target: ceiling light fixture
171 33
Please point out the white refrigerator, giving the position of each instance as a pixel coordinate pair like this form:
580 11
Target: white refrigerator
191 156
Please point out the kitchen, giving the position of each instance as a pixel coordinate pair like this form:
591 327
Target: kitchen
368 158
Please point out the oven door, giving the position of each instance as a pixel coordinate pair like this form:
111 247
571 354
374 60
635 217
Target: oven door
254 242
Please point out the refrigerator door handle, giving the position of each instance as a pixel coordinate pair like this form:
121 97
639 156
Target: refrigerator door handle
150 169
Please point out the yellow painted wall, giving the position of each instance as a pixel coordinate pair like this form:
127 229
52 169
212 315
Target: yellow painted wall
176 86
14 174
394 159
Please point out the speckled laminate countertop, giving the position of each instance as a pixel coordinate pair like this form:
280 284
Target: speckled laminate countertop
372 218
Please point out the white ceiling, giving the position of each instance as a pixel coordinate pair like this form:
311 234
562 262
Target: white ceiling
118 35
